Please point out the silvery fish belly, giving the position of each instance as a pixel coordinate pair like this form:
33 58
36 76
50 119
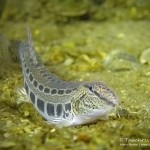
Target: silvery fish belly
60 102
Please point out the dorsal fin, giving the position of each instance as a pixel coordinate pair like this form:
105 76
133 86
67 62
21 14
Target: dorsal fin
29 37
31 46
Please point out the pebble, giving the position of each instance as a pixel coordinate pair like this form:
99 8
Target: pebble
7 144
119 60
82 137
145 56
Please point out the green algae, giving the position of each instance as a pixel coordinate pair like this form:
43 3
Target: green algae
80 49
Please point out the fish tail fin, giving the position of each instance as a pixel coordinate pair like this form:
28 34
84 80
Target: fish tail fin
8 55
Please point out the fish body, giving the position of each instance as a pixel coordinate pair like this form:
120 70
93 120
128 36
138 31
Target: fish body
61 102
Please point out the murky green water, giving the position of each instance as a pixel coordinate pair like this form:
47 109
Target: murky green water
80 41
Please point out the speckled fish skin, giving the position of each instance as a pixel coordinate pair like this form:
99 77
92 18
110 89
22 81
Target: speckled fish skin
60 102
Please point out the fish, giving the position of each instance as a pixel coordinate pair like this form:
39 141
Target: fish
63 103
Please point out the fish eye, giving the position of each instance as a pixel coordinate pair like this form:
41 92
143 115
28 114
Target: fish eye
91 88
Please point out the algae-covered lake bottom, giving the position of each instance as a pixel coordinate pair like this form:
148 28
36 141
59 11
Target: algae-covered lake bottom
113 52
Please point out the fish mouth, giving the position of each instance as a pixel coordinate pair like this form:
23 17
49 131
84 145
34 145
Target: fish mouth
97 113
92 116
